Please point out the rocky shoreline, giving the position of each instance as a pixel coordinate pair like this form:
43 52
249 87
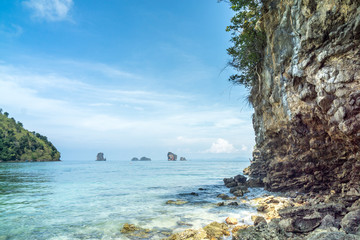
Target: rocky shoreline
284 216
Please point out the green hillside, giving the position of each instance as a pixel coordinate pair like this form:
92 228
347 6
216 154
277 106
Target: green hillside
18 144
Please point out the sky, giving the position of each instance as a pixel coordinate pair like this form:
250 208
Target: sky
128 78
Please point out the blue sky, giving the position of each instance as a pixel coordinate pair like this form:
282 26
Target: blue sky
129 78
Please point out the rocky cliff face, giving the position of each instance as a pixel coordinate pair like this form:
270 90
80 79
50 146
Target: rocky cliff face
307 103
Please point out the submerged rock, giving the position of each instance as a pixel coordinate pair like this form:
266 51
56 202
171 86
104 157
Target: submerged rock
176 202
133 232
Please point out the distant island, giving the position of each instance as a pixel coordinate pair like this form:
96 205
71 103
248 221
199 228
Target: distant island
171 156
20 145
141 159
100 157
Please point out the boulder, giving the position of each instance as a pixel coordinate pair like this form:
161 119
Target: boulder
351 222
216 230
231 221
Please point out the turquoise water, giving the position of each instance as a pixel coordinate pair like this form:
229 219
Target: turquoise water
92 200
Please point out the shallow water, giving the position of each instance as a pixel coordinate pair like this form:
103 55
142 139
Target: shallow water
92 200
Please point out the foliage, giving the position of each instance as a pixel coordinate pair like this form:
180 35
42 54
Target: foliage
248 41
18 144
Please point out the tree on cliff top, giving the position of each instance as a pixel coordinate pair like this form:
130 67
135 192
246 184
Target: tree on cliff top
248 41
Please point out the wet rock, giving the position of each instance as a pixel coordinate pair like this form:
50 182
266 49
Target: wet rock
238 228
216 230
220 204
202 189
134 232
182 223
231 221
262 231
331 236
176 202
191 194
225 197
233 204
189 234
351 222
257 220
240 179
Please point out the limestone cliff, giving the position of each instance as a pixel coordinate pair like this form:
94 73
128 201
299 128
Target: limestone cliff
307 102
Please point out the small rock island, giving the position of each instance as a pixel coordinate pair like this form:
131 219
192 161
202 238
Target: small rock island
100 157
171 156
141 159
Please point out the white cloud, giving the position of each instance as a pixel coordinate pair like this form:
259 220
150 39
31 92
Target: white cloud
77 114
222 146
50 10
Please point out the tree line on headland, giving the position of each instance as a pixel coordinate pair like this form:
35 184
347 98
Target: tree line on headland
19 144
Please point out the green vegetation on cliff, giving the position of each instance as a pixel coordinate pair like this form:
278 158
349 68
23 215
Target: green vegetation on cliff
18 144
248 41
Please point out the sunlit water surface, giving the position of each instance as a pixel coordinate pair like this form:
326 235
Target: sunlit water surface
92 200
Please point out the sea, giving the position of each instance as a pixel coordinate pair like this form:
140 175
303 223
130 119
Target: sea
94 199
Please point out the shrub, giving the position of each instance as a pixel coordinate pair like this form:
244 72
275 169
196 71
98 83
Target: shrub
248 41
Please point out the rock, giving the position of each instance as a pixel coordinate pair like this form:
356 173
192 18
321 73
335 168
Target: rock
231 221
220 204
202 189
351 222
189 234
257 220
177 202
100 157
262 231
238 228
225 197
134 159
244 189
145 159
306 99
254 183
192 194
134 232
331 236
182 159
233 204
171 156
328 223
240 179
129 228
216 230
238 193
246 171
181 223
